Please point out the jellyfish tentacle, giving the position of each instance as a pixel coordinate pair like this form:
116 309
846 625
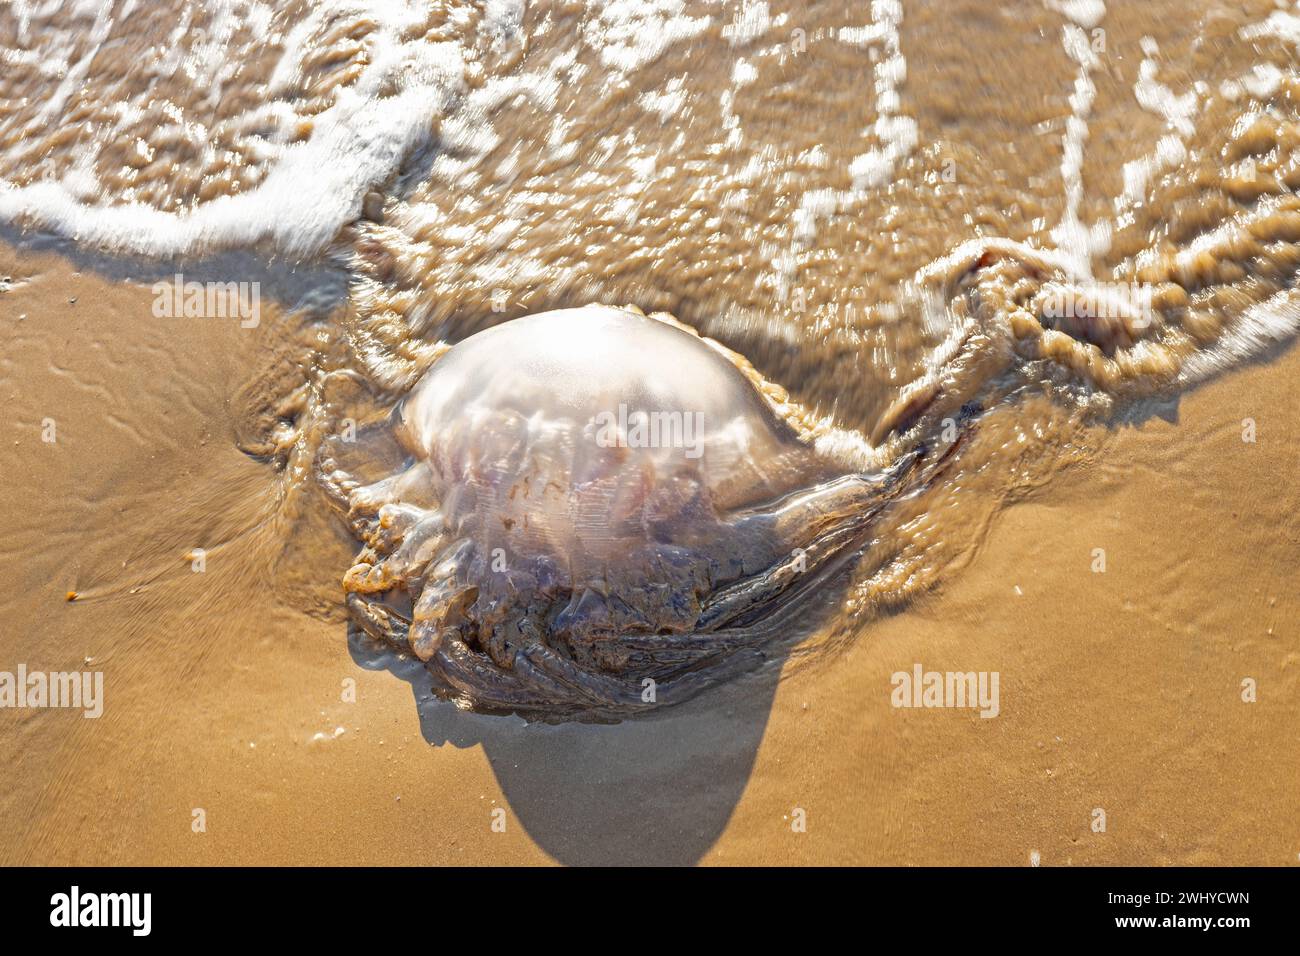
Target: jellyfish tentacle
481 684
408 484
814 529
394 522
542 665
822 528
336 483
378 621
442 608
370 577
810 513
417 545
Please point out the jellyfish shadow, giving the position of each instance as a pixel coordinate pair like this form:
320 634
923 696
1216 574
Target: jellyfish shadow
656 790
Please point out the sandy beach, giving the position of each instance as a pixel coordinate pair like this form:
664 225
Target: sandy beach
1127 569
1120 690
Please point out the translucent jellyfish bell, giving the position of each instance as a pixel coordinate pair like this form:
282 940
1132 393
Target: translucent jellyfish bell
595 497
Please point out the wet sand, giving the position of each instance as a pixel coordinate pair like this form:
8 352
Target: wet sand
1119 691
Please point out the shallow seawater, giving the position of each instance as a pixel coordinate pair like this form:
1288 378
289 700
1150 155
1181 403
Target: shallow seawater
1067 216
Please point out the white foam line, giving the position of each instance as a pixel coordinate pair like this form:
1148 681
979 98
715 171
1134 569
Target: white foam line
1282 25
310 192
1177 112
1259 328
894 131
753 20
75 73
312 188
1071 236
1086 14
1263 80
629 34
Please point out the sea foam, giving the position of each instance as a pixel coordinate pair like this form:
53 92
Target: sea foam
308 186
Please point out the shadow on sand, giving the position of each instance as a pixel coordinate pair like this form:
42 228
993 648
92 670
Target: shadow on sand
311 287
657 790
